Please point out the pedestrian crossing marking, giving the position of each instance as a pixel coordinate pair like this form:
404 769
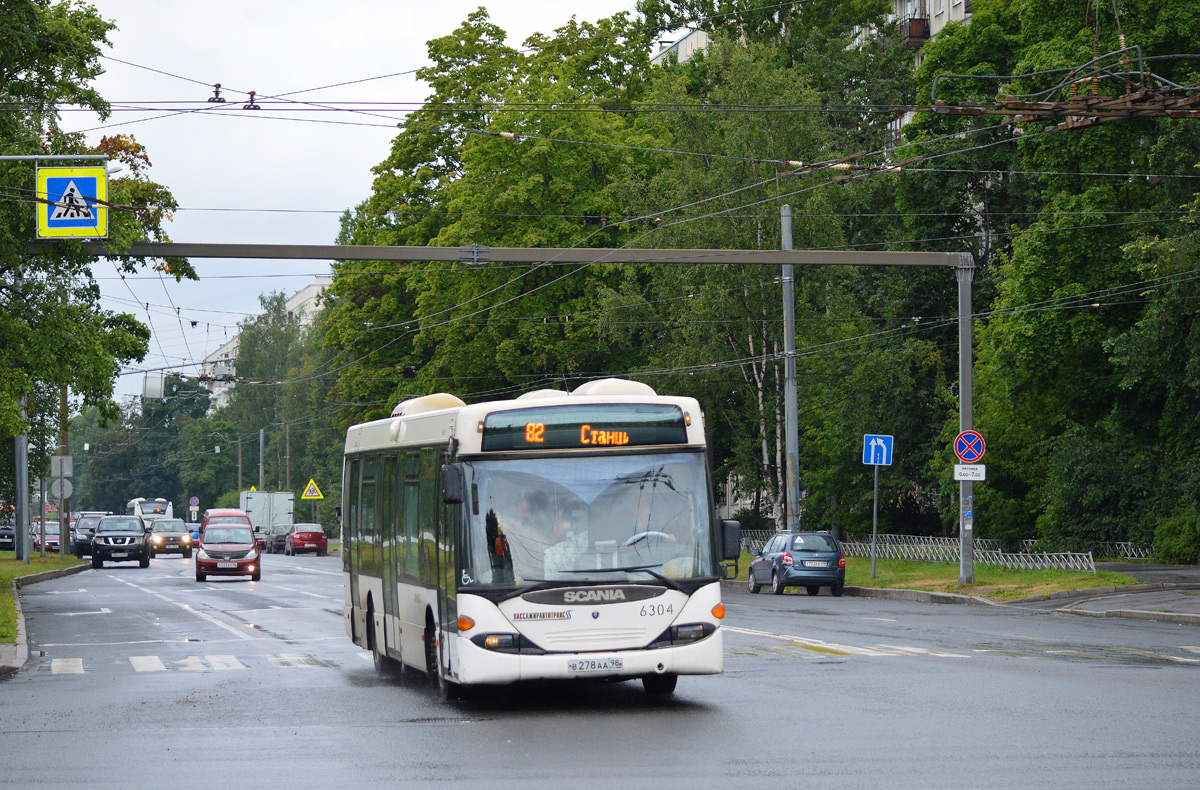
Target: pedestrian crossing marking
192 664
147 664
66 666
225 662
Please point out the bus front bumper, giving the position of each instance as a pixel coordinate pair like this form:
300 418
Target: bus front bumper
477 665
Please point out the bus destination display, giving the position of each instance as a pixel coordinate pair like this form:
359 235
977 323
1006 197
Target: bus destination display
584 427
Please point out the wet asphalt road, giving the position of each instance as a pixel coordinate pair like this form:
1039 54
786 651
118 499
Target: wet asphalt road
147 679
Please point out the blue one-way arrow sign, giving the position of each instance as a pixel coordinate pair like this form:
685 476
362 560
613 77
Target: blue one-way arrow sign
877 450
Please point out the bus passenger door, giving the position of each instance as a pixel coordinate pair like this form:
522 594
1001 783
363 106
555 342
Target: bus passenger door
443 565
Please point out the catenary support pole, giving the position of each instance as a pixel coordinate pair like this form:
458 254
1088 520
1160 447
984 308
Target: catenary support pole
791 435
261 455
966 532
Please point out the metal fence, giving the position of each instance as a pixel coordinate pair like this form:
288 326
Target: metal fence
1108 548
933 549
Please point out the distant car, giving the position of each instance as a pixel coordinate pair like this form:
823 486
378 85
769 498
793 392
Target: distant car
228 549
194 531
811 560
170 535
8 538
51 536
306 537
85 527
120 539
226 516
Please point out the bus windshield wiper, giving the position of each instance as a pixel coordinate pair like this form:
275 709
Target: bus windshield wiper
538 584
643 568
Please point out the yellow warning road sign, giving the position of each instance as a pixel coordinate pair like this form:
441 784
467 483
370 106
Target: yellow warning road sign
311 491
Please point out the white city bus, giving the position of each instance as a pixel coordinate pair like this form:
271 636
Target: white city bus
149 509
555 536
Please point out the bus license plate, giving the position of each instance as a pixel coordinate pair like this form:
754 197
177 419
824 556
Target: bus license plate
816 564
594 664
226 564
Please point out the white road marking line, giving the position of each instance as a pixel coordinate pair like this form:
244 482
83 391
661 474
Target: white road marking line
310 570
236 632
302 660
225 662
66 666
76 614
192 664
147 664
1191 649
63 592
815 644
920 651
366 656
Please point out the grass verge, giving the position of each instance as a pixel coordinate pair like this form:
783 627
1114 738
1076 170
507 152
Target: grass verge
991 581
11 568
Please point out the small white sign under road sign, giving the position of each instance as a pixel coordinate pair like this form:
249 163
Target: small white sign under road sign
970 472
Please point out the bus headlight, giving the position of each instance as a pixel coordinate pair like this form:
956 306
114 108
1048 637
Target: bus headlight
499 641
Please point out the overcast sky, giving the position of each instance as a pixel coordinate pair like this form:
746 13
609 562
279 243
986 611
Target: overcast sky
264 176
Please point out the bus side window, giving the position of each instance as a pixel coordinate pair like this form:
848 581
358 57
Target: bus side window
391 510
412 529
370 518
354 533
430 501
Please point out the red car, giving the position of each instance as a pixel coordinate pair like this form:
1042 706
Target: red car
306 537
227 546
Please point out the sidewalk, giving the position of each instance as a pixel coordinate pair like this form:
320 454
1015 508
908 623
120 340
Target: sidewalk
14 656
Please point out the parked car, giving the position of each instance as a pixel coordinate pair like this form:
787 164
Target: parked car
811 560
8 538
306 537
85 527
228 549
120 539
168 535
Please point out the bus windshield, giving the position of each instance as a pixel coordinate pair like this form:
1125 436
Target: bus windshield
587 519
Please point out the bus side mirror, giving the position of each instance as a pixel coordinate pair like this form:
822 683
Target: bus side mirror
731 540
452 484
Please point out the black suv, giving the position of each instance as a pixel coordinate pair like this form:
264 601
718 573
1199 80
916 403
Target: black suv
120 539
85 527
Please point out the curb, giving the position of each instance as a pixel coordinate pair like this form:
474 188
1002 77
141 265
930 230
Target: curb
13 657
1090 591
927 596
1136 614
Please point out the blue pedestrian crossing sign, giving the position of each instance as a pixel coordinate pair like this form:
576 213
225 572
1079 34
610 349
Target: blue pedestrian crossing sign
877 450
72 202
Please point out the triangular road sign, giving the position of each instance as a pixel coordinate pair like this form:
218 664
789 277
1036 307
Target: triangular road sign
311 491
71 205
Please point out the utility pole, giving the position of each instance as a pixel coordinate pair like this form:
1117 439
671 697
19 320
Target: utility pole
966 498
790 398
287 454
261 456
239 462
21 451
64 502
